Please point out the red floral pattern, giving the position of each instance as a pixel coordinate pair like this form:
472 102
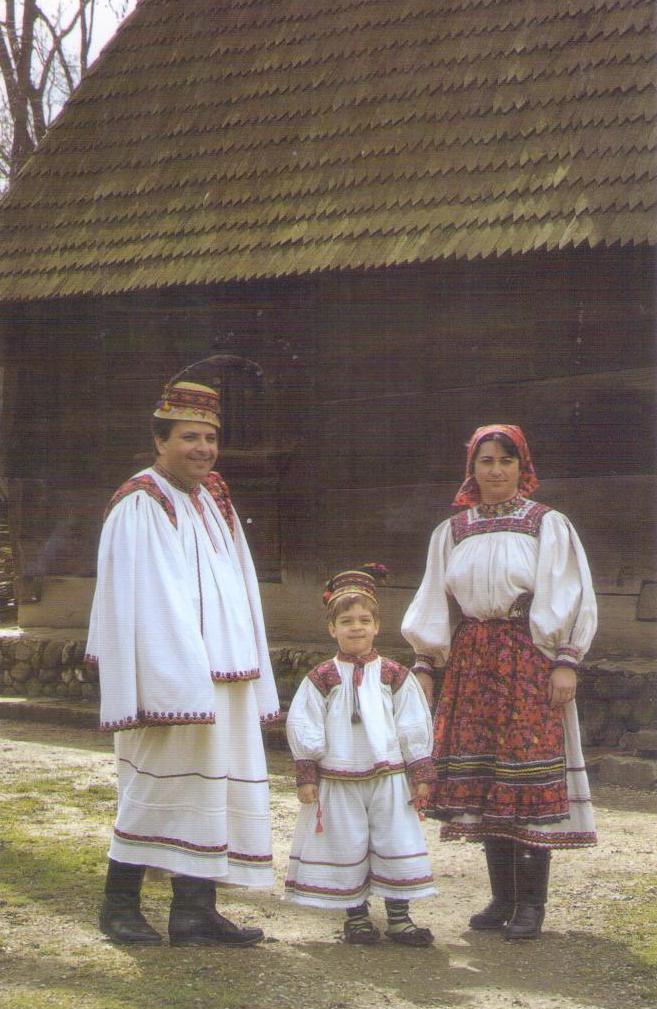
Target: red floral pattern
526 519
499 745
148 486
218 488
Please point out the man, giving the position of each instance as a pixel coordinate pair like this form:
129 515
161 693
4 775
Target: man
178 635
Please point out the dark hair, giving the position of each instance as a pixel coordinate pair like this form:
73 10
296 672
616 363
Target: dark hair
161 428
507 444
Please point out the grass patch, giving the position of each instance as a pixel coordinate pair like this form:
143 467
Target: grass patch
53 858
636 919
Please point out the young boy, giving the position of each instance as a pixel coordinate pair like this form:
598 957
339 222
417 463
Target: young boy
360 732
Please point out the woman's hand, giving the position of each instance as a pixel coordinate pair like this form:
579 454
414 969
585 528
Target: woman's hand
307 793
563 686
426 682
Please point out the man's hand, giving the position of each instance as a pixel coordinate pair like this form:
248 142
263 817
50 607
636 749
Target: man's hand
307 793
563 686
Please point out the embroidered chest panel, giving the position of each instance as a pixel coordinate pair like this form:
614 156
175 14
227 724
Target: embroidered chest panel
218 488
526 519
326 676
148 486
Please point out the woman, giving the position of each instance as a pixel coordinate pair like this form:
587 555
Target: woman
507 602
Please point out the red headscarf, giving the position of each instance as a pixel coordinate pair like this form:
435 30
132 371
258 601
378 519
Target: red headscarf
468 493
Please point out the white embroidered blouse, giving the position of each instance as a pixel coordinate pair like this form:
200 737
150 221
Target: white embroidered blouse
496 567
352 722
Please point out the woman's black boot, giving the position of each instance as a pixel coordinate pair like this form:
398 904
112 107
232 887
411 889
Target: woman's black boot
194 920
499 859
532 867
120 916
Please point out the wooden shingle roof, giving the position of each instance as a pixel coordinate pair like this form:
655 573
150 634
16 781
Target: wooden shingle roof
230 139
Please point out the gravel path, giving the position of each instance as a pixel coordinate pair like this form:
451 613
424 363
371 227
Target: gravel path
582 961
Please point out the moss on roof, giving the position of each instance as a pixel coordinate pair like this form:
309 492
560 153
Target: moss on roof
234 139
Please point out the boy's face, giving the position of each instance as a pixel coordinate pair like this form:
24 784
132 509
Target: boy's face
355 630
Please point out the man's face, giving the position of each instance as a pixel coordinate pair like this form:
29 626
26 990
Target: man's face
190 451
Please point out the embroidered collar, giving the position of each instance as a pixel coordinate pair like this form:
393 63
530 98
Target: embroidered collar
491 511
174 481
357 660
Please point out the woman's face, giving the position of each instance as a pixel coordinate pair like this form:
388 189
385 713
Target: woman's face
497 473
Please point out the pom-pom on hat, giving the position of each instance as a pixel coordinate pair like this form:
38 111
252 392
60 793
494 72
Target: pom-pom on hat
357 581
189 401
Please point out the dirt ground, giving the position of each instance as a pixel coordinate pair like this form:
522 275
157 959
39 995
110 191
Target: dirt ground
586 958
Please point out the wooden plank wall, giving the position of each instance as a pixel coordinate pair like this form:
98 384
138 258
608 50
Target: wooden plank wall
373 383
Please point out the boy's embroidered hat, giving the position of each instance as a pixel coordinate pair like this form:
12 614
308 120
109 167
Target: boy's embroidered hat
189 401
358 581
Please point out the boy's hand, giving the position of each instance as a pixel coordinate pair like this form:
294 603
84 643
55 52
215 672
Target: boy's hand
307 793
420 794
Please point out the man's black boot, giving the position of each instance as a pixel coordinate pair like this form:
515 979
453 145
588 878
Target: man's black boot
120 916
194 920
499 859
532 869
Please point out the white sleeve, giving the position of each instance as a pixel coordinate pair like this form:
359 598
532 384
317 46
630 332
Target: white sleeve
563 614
428 622
412 721
305 724
145 631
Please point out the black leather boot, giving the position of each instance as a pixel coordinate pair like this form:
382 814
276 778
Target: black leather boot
120 917
194 920
499 859
532 867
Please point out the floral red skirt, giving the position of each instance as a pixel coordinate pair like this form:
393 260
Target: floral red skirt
499 746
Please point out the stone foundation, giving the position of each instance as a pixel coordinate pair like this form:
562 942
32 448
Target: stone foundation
617 698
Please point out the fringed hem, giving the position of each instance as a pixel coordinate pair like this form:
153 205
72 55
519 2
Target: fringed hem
513 832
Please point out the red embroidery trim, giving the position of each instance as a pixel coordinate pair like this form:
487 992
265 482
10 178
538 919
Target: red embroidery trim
421 771
393 674
380 769
144 719
307 772
215 484
275 716
214 849
477 832
325 677
468 523
238 856
241 674
148 486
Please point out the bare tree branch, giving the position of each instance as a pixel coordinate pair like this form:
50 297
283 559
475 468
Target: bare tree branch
41 61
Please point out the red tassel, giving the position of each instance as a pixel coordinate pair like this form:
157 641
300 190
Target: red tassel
318 826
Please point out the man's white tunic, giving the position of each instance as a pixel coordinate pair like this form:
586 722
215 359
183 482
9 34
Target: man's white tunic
178 634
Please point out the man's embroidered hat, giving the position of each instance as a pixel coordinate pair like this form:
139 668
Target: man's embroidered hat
361 581
183 399
189 401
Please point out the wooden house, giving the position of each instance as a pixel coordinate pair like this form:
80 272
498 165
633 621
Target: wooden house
417 215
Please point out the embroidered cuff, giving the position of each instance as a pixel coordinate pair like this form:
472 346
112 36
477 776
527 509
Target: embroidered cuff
307 772
567 656
422 770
